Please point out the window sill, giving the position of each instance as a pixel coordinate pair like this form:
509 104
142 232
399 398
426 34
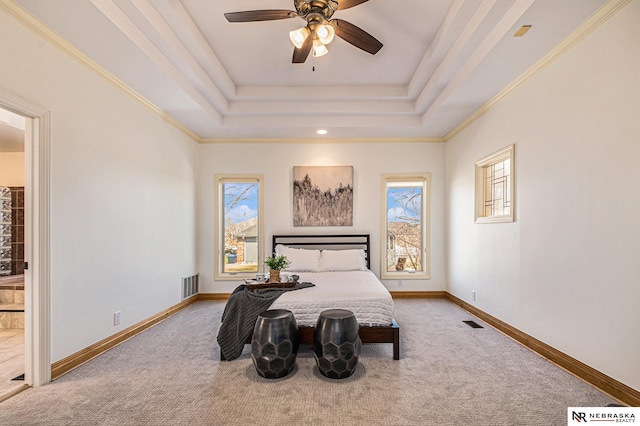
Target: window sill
495 219
405 276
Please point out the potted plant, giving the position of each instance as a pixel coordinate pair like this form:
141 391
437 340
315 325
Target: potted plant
276 264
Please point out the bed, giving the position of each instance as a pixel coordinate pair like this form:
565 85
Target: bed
338 266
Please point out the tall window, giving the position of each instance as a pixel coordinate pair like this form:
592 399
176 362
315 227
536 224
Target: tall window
495 188
239 225
406 226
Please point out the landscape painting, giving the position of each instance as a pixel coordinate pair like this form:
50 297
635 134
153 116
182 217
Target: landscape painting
323 196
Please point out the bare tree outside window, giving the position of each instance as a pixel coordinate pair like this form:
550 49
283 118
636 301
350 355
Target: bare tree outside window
239 225
406 226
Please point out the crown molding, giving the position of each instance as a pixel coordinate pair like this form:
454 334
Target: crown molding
590 25
601 16
319 140
56 40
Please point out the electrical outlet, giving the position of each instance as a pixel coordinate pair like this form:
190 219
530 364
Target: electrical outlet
400 283
473 295
116 317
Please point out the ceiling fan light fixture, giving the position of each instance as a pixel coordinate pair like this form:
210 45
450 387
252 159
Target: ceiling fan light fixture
326 33
299 36
320 28
319 49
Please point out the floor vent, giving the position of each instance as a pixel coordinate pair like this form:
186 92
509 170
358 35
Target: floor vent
473 324
189 286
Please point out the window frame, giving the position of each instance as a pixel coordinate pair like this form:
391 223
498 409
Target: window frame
425 274
481 165
219 180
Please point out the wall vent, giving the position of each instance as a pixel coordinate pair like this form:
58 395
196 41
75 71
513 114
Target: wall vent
189 286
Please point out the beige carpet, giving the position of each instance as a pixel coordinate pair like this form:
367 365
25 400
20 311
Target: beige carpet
448 374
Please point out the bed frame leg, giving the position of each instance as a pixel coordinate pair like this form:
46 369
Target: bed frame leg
396 344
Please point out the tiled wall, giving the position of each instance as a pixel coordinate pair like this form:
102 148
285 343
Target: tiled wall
11 230
5 231
11 298
17 230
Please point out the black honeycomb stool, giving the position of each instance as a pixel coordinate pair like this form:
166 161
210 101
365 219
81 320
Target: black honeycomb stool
336 343
275 343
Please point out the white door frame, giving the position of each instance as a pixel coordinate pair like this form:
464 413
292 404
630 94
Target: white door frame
37 322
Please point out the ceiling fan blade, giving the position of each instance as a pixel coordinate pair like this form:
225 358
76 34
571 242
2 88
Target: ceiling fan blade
260 15
356 36
300 55
346 4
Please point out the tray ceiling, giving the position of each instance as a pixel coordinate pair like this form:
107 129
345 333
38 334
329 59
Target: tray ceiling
442 60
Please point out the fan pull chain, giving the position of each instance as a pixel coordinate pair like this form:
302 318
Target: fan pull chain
313 67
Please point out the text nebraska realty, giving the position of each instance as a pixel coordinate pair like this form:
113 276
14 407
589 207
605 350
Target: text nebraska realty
605 417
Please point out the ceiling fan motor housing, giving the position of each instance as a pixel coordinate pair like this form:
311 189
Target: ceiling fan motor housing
320 7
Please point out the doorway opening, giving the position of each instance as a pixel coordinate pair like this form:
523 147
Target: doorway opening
12 282
32 257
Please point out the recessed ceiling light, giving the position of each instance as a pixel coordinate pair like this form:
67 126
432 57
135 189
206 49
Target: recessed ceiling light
321 132
522 31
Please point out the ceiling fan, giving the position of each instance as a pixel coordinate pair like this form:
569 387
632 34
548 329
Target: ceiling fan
320 28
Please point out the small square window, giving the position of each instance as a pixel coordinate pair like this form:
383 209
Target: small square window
495 189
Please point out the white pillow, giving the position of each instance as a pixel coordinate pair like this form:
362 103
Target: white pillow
301 259
343 260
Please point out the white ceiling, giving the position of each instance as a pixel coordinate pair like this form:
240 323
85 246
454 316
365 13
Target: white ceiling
441 61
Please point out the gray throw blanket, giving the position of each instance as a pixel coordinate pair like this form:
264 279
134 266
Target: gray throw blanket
240 315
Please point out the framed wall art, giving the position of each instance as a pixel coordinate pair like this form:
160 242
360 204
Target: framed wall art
323 196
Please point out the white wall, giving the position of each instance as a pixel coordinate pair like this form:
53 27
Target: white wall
276 162
567 271
11 168
122 194
124 186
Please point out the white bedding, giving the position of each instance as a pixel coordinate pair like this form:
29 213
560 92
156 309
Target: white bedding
358 291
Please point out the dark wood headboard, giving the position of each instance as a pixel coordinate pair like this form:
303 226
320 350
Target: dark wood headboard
325 241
